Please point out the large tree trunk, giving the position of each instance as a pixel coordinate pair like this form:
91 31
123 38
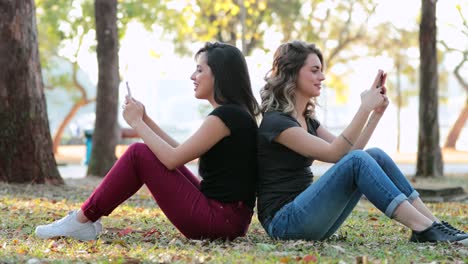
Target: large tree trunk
25 141
429 161
105 135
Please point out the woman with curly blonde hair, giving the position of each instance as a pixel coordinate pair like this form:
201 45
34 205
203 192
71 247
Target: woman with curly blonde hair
290 138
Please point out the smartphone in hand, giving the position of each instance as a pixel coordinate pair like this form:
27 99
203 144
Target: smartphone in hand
128 90
382 78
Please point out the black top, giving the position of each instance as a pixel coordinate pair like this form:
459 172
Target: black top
229 168
283 173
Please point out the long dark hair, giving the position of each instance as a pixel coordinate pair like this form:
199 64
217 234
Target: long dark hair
231 76
278 94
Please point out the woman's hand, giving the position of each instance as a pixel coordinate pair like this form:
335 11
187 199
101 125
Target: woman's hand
133 112
381 109
372 98
375 96
140 104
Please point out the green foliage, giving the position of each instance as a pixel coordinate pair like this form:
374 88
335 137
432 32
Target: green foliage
147 12
206 20
62 23
138 232
65 23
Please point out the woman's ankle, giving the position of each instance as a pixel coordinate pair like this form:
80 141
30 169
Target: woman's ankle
409 216
80 217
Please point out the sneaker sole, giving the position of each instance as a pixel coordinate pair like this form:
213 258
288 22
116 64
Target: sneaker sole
72 235
463 242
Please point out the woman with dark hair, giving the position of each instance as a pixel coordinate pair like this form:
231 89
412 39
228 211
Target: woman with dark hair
290 206
220 206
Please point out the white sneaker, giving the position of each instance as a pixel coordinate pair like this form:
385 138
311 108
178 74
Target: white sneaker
69 227
98 226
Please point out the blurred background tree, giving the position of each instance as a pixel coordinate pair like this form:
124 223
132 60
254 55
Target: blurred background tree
429 157
461 73
343 30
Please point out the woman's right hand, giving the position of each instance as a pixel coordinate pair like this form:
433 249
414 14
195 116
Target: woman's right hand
375 96
372 98
140 104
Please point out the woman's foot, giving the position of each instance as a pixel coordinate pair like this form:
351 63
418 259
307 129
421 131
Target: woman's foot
437 232
70 227
456 230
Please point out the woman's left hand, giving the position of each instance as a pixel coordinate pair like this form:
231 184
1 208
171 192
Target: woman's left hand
381 108
133 112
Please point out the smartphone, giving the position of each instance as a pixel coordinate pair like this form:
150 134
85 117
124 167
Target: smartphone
128 90
381 80
380 83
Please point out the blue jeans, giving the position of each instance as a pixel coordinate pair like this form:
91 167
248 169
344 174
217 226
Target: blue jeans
319 210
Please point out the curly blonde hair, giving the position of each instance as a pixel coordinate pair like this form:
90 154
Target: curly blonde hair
278 92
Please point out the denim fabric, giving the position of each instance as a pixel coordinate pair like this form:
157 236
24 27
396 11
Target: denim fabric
319 210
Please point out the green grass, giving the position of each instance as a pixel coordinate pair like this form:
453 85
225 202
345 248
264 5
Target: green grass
138 232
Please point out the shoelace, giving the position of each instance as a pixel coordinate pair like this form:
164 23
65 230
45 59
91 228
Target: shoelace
444 229
60 221
449 226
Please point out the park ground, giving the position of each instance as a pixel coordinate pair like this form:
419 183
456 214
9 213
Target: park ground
138 232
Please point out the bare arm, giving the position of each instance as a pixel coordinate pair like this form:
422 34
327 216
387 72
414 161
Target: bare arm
367 131
363 138
324 134
154 127
327 147
374 118
158 131
300 141
210 132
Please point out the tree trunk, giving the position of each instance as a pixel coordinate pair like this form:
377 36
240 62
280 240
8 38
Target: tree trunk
429 161
106 135
457 127
25 141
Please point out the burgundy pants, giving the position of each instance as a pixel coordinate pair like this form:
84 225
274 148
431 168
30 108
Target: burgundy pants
177 193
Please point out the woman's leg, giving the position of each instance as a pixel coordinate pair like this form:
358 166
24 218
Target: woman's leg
319 210
394 173
397 177
176 192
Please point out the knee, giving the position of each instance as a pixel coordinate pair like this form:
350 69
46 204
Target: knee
377 153
358 154
136 146
139 149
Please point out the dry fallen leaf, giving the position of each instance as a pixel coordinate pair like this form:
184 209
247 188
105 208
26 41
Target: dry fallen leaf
125 232
309 259
361 260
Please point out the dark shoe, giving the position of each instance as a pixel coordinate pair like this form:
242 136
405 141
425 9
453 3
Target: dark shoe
435 233
456 230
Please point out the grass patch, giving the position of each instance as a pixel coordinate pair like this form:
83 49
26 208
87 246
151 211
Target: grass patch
138 232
